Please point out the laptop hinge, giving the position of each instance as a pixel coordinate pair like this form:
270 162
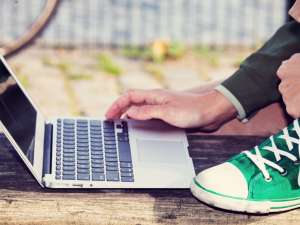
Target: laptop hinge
47 149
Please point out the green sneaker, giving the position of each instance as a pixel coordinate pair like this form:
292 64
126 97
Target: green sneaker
262 180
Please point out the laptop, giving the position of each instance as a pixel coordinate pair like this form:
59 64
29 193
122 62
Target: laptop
75 152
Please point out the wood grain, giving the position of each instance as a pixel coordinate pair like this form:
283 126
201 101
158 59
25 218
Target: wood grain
22 201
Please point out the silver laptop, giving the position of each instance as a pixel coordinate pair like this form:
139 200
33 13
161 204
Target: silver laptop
90 152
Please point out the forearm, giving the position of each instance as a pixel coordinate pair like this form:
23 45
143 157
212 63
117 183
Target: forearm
255 84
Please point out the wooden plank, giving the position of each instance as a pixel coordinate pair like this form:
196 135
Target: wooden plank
22 201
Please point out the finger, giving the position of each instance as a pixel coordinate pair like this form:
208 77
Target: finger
146 112
294 11
133 97
288 70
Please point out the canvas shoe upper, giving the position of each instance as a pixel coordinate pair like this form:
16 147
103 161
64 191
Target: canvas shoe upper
264 179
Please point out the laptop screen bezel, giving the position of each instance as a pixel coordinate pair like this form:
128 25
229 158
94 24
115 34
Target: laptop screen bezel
37 167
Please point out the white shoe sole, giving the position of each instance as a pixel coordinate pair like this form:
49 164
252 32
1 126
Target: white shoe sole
241 205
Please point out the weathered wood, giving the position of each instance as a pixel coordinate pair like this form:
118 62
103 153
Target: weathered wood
22 201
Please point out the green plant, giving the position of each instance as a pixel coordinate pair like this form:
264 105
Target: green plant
46 61
64 67
176 50
79 76
106 64
133 52
212 56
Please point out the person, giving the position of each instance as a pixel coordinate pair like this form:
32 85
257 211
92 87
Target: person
265 178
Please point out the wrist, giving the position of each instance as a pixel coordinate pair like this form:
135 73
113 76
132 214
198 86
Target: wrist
219 109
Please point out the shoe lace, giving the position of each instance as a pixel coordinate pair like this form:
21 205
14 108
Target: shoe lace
261 162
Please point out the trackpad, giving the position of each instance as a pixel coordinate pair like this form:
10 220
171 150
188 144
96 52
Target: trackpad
171 152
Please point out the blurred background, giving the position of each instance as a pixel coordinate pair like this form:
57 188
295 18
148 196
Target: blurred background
75 57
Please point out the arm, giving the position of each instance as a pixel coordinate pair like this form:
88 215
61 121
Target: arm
255 84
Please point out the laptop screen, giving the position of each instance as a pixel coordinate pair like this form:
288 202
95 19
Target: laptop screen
17 113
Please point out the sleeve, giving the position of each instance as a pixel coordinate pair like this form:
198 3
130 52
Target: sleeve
254 85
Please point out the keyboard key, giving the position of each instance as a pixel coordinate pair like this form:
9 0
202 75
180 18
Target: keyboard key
81 132
111 159
96 143
127 179
82 121
124 152
69 159
69 163
83 157
96 149
83 166
98 176
69 121
67 172
95 123
82 137
97 156
84 142
113 164
109 142
98 165
85 171
69 135
68 177
126 170
110 138
96 137
82 176
58 177
112 176
125 165
83 146
114 147
96 161
83 162
112 168
127 174
83 153
110 155
98 170
71 150
68 145
68 155
95 128
82 124
68 168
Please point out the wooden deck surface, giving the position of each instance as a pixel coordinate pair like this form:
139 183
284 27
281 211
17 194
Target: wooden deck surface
22 201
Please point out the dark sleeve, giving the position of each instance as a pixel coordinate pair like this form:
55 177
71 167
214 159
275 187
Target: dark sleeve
255 84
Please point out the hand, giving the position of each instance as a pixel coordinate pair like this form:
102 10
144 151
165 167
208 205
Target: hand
181 109
289 74
295 11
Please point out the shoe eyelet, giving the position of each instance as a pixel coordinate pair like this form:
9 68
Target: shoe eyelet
284 173
269 179
297 162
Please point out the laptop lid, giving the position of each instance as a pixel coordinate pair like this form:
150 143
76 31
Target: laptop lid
21 122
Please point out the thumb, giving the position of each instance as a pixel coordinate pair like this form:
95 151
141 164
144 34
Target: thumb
146 112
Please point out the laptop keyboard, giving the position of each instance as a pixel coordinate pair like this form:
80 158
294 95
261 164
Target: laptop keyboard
93 150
